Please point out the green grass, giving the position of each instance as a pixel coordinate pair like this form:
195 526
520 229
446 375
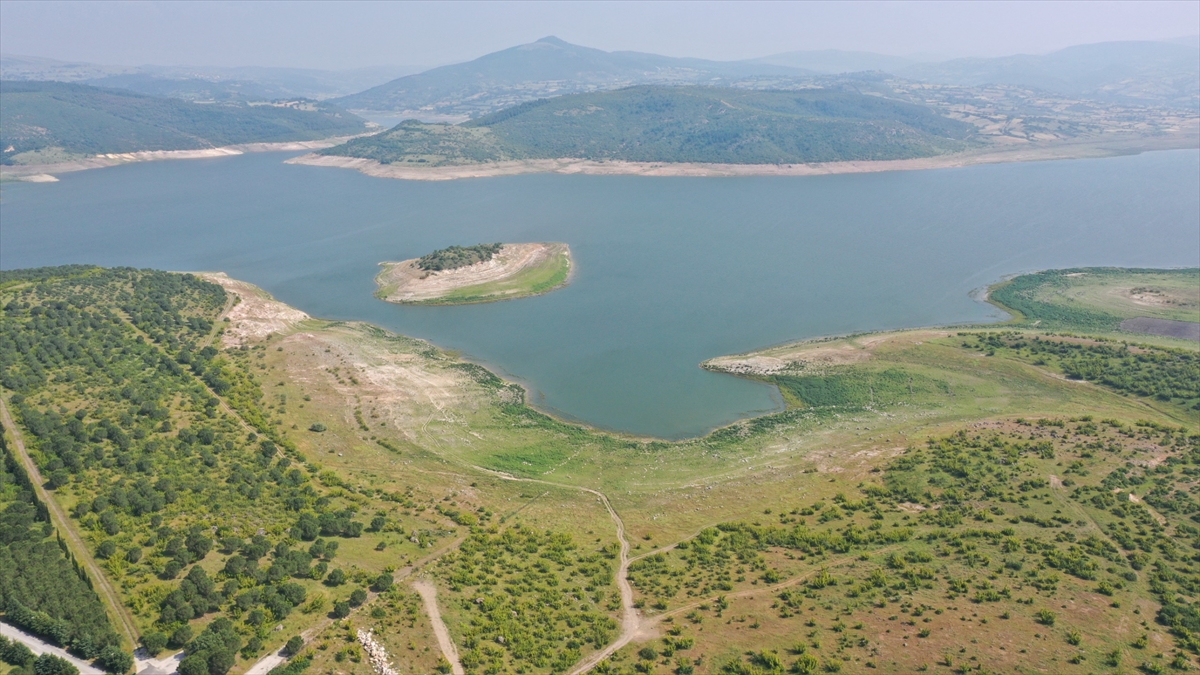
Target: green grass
1098 299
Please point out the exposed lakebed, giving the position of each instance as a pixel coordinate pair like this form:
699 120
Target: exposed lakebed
668 272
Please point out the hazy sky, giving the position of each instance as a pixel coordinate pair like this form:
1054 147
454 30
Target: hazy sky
337 35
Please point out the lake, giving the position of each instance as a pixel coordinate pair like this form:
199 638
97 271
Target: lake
670 271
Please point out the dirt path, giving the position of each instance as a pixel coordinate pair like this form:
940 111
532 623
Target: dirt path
632 623
269 661
428 594
117 611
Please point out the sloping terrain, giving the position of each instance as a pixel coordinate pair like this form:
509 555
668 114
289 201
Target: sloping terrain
679 124
548 67
75 120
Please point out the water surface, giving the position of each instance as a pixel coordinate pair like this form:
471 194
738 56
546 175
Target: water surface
670 271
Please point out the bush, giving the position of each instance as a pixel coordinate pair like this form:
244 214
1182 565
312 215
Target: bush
341 610
358 597
335 578
317 427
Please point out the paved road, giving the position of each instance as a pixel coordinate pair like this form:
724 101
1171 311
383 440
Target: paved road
39 647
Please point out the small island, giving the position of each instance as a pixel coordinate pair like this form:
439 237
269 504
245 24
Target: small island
460 275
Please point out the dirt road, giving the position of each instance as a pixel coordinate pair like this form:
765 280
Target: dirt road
428 594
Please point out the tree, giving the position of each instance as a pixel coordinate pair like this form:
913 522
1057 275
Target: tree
115 660
181 636
341 609
154 643
382 583
358 597
293 646
49 664
336 578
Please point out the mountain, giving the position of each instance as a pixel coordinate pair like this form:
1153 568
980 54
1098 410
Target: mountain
1148 73
678 124
57 120
204 82
833 61
548 67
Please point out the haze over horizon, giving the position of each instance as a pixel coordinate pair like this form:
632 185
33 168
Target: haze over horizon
347 35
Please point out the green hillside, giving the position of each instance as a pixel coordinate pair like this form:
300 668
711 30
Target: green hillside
54 119
679 124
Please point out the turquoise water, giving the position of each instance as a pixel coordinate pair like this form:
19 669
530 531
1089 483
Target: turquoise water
671 271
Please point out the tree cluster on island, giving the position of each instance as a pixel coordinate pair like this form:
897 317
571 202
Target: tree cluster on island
454 257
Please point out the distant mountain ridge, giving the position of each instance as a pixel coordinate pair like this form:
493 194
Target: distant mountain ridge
677 124
547 67
42 122
203 82
1151 73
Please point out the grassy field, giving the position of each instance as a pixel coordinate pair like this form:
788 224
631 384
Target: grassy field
1097 299
1004 499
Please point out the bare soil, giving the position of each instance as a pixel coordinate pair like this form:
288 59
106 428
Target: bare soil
404 281
256 314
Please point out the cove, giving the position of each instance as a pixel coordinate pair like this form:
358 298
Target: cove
670 271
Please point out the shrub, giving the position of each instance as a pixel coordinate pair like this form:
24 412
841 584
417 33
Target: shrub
358 597
341 610
317 427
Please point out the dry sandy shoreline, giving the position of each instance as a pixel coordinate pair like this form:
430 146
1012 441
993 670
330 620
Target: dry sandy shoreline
404 282
1089 148
44 173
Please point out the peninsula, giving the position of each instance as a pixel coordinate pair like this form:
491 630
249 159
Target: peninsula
460 275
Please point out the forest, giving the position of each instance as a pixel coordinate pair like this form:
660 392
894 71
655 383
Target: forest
113 379
679 124
83 120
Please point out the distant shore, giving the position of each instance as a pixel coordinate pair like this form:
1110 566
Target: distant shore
44 173
1027 152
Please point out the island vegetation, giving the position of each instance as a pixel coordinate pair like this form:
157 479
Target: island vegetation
454 257
974 499
483 273
46 122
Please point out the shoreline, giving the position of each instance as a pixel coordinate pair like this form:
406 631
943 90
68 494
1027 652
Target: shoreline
403 283
44 173
1091 148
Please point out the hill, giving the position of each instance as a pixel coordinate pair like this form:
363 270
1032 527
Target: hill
39 120
1146 73
678 124
548 67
